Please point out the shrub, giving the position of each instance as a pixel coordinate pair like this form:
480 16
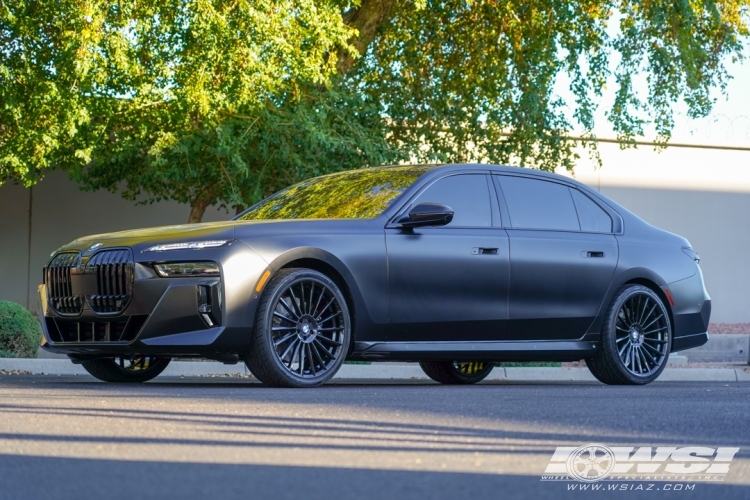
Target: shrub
20 332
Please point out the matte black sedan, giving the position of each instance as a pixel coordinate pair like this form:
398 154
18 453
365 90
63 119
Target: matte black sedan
455 267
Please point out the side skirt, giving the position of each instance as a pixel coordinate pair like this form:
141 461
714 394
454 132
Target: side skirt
475 351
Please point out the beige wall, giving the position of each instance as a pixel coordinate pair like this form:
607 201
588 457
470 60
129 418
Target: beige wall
60 213
14 243
703 195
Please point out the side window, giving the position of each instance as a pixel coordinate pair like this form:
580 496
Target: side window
468 195
537 204
592 217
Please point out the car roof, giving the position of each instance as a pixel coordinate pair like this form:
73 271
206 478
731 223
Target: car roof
437 168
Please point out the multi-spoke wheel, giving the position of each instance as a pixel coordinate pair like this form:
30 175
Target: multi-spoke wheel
457 372
126 369
636 338
302 330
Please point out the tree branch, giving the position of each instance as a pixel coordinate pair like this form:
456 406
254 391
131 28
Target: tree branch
367 18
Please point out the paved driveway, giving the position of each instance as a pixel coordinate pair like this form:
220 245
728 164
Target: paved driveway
71 437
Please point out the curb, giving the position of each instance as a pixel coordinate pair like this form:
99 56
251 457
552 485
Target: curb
385 371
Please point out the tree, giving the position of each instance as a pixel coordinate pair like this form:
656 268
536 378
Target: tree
475 80
225 102
199 102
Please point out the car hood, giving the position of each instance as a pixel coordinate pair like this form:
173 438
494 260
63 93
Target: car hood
247 231
161 234
160 231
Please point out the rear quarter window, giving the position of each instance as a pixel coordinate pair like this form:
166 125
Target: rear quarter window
592 217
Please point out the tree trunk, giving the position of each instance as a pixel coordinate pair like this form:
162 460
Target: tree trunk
197 209
370 16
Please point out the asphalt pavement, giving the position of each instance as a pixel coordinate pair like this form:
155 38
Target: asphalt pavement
70 437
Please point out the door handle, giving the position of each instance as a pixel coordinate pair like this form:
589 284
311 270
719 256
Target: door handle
592 253
483 251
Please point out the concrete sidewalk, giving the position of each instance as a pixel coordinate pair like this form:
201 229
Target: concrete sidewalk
390 371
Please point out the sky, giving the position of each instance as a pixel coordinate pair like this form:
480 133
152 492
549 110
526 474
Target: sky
727 125
729 122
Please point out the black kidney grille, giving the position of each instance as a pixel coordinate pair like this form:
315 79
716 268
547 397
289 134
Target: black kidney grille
114 278
59 289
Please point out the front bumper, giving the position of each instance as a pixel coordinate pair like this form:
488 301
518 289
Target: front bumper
207 317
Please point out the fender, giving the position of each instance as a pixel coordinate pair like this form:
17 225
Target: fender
361 318
618 280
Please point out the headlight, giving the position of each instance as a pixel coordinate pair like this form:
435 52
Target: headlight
173 269
188 245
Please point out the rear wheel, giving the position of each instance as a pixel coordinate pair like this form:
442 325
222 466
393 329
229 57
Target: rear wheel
132 369
457 372
302 330
636 339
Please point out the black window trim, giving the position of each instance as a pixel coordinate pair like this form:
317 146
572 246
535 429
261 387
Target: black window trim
617 222
496 219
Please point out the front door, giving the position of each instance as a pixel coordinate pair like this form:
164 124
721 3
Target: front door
450 283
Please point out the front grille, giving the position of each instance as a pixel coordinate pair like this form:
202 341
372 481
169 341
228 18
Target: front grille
122 330
114 278
59 288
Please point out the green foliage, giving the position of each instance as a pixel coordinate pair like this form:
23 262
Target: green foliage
463 81
20 332
242 158
226 101
193 101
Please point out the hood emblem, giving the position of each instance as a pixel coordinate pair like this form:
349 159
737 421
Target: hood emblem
95 246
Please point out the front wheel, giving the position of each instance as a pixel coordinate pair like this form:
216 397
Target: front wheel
636 338
457 372
128 370
302 330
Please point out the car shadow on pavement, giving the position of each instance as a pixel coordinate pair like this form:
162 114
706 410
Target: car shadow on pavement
329 433
38 477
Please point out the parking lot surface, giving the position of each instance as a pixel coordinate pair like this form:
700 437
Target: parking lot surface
69 437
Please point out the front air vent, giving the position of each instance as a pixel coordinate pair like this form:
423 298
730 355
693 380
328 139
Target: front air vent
59 288
122 329
114 279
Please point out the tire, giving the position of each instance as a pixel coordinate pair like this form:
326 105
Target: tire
636 338
132 370
302 330
457 372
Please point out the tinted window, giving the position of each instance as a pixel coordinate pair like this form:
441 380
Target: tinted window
591 216
535 204
357 194
467 195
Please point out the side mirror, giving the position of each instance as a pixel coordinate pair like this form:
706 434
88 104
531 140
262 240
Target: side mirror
427 214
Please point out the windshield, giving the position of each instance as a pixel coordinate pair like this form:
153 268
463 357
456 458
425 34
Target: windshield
357 194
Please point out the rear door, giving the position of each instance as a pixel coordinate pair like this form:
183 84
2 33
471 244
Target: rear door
450 283
562 258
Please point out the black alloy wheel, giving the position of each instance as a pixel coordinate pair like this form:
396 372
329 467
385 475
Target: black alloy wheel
130 369
457 372
636 338
302 330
